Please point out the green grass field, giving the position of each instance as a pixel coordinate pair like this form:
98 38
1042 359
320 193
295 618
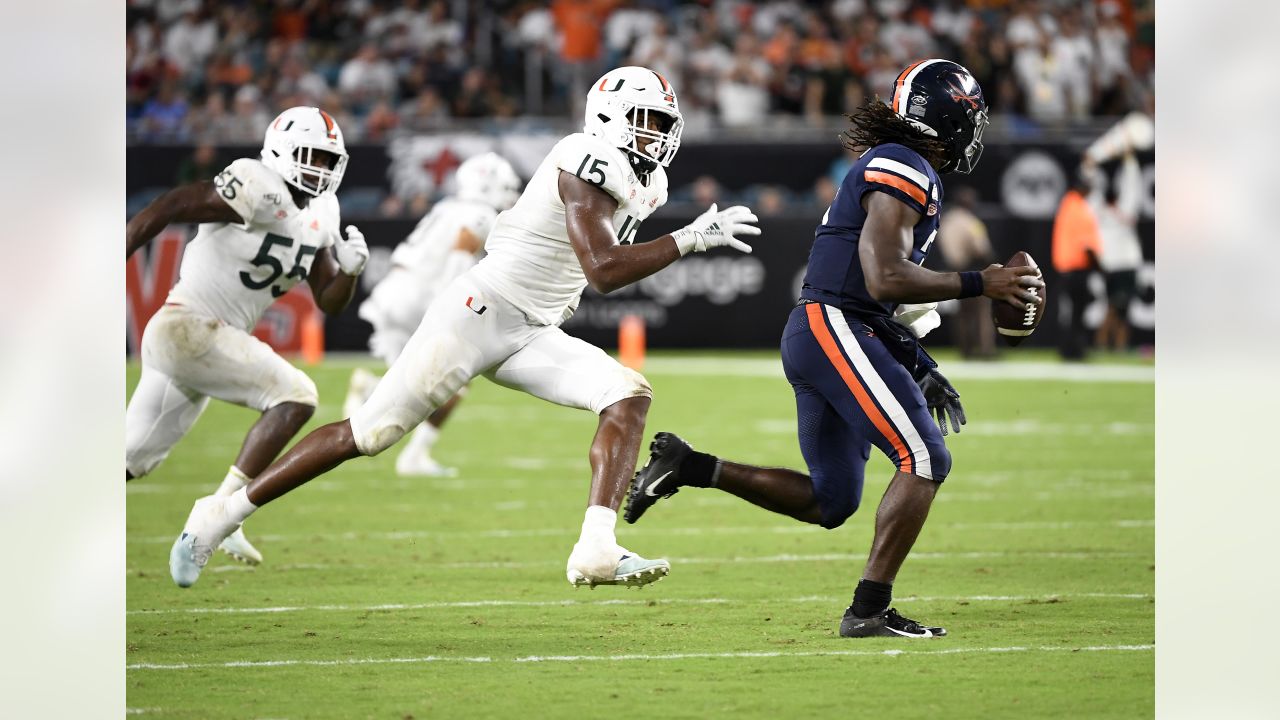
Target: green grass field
384 597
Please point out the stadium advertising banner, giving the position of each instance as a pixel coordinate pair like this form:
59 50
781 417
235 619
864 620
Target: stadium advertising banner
718 299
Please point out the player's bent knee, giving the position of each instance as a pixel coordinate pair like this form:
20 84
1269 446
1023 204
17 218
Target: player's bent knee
834 514
626 383
939 462
374 433
301 389
139 464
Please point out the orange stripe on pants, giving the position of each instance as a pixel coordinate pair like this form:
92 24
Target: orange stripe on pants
818 325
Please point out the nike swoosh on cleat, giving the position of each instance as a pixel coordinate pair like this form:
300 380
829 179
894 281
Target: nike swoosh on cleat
927 633
648 490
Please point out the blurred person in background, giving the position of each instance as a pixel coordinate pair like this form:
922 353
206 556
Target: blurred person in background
707 191
201 164
579 23
445 243
1076 245
1073 50
265 225
164 116
742 97
366 78
1116 208
963 241
660 50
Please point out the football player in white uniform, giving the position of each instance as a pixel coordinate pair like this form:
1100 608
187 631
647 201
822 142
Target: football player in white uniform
446 243
265 225
573 226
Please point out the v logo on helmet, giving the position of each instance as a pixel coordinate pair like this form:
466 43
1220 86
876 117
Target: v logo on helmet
958 94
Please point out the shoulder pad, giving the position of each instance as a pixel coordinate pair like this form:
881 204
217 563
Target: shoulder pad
897 170
253 190
594 161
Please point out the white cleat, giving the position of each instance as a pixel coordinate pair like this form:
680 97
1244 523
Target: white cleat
422 465
238 546
613 566
362 384
207 526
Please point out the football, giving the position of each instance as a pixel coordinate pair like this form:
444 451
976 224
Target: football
1012 324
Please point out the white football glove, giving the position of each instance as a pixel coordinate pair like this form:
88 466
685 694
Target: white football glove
351 253
716 229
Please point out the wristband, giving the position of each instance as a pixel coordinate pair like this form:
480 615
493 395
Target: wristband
971 284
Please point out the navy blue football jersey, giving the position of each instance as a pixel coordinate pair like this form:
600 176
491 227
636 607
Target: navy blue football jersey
834 276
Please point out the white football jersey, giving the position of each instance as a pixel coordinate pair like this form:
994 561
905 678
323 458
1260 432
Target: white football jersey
426 248
530 260
234 271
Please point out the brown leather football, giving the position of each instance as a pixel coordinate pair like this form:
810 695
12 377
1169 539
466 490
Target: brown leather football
1016 325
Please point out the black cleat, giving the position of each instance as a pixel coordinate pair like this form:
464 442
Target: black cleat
887 624
659 477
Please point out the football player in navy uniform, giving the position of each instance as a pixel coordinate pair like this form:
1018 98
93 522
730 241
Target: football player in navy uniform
861 378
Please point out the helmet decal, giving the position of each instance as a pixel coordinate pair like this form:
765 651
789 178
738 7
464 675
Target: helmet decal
329 125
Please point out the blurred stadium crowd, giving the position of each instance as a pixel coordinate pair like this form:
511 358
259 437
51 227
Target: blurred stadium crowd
205 71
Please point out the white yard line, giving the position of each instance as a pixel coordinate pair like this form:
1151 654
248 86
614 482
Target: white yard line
625 658
605 603
655 532
771 367
735 560
955 370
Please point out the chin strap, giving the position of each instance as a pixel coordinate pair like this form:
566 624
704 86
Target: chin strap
642 166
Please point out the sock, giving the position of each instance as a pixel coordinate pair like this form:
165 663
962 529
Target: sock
234 480
422 439
871 598
239 507
699 469
598 525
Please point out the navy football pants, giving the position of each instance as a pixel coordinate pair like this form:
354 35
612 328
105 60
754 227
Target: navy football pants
852 394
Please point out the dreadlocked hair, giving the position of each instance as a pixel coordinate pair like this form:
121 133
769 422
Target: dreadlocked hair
875 123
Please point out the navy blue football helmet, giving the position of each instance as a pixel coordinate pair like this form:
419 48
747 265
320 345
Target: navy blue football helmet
942 99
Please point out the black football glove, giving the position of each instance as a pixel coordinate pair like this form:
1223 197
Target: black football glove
942 399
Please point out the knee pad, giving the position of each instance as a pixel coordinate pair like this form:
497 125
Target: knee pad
139 463
300 389
626 383
375 434
939 460
835 512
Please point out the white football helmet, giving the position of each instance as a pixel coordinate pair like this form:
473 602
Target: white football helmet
290 145
618 108
488 179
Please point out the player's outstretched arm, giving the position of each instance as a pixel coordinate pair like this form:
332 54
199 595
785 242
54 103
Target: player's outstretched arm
884 250
334 271
608 265
197 202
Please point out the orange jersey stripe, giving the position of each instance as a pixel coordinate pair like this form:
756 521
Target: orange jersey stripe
818 325
897 84
905 186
